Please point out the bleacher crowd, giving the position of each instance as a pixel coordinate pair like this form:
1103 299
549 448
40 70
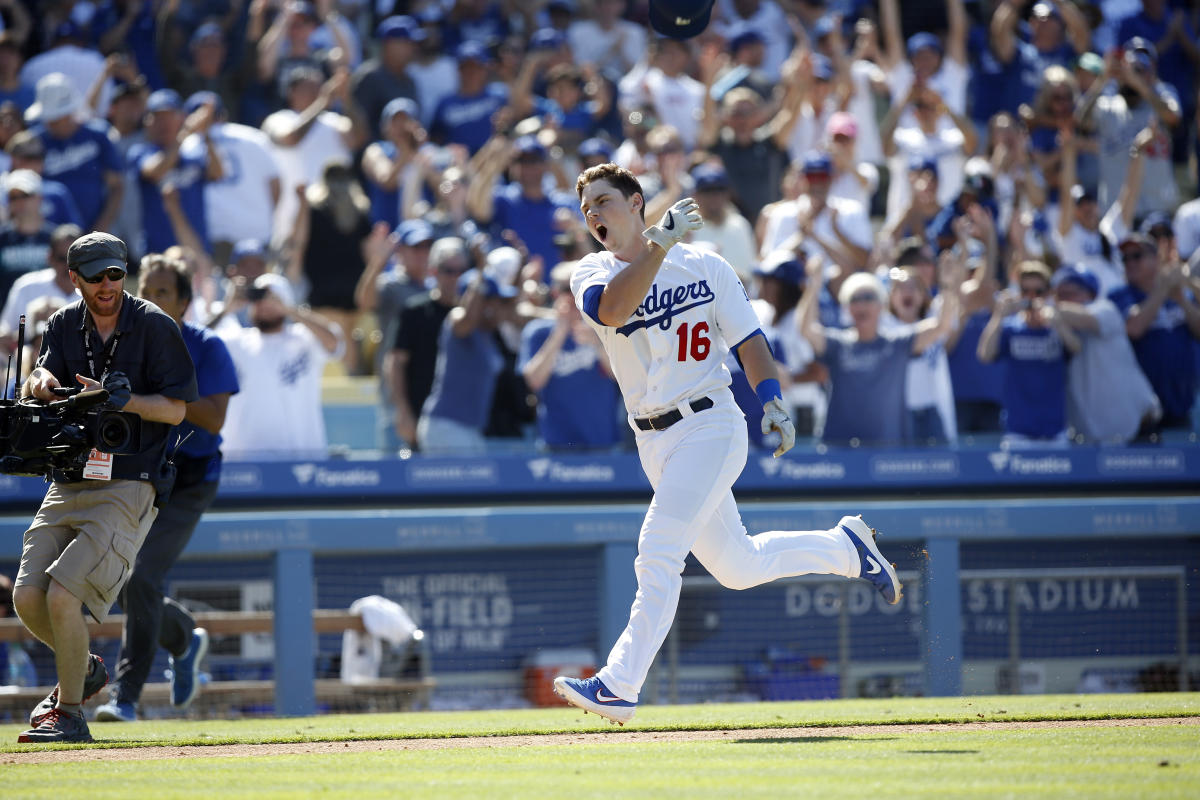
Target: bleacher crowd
954 217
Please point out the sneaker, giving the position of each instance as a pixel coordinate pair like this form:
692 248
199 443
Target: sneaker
114 711
873 566
592 695
185 670
97 679
58 726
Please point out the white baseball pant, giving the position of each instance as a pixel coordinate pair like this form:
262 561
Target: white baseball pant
692 466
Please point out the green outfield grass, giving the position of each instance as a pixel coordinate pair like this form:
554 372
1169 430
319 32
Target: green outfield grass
1152 762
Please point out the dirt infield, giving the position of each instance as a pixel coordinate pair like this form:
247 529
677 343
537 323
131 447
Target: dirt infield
614 736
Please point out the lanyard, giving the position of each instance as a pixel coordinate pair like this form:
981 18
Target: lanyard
109 351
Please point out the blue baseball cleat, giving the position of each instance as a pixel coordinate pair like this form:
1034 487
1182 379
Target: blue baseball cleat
112 711
185 670
873 566
592 695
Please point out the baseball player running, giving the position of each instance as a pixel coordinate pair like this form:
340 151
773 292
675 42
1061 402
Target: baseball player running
668 314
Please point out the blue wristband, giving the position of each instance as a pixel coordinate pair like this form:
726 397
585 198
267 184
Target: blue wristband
768 390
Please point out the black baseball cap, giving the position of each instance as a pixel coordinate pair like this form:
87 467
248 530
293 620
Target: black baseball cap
94 252
680 19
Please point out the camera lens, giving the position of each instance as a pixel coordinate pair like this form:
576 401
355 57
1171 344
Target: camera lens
113 433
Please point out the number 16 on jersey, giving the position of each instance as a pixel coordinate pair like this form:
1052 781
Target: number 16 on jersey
693 341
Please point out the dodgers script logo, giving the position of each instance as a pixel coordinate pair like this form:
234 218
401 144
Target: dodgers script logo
666 303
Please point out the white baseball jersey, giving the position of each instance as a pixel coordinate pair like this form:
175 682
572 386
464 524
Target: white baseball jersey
239 206
672 349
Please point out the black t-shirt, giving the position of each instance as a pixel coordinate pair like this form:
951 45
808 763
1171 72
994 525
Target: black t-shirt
333 260
21 253
150 350
417 334
374 86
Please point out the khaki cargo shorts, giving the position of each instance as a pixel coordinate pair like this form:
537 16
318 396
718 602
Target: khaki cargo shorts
86 536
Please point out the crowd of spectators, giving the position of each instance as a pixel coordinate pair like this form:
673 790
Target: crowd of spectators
955 217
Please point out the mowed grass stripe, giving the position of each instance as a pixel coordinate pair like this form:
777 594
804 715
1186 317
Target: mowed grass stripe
715 716
1009 761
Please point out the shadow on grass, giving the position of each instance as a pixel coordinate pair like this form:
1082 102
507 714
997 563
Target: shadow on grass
810 739
942 752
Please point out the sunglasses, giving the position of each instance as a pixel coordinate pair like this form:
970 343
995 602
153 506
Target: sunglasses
865 297
1033 291
114 274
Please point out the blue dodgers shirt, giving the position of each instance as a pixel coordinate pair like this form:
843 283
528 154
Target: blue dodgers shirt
79 162
1164 352
1035 379
1033 64
215 374
188 175
466 120
578 405
532 220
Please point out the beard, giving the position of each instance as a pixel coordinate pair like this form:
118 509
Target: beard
97 309
269 325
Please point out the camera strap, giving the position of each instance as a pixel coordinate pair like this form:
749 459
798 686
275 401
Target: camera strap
109 351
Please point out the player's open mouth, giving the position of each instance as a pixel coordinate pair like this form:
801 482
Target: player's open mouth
602 232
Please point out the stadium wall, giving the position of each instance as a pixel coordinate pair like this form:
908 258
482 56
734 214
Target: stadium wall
1066 582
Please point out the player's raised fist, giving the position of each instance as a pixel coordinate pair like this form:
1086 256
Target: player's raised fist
680 219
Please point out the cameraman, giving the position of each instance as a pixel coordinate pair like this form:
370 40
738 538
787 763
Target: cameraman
83 541
151 619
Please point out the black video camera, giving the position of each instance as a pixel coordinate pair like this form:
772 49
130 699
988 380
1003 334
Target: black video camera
44 438
40 439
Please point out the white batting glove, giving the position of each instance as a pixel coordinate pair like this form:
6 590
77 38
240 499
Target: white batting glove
776 419
680 219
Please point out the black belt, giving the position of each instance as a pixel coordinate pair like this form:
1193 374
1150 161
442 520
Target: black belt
664 421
